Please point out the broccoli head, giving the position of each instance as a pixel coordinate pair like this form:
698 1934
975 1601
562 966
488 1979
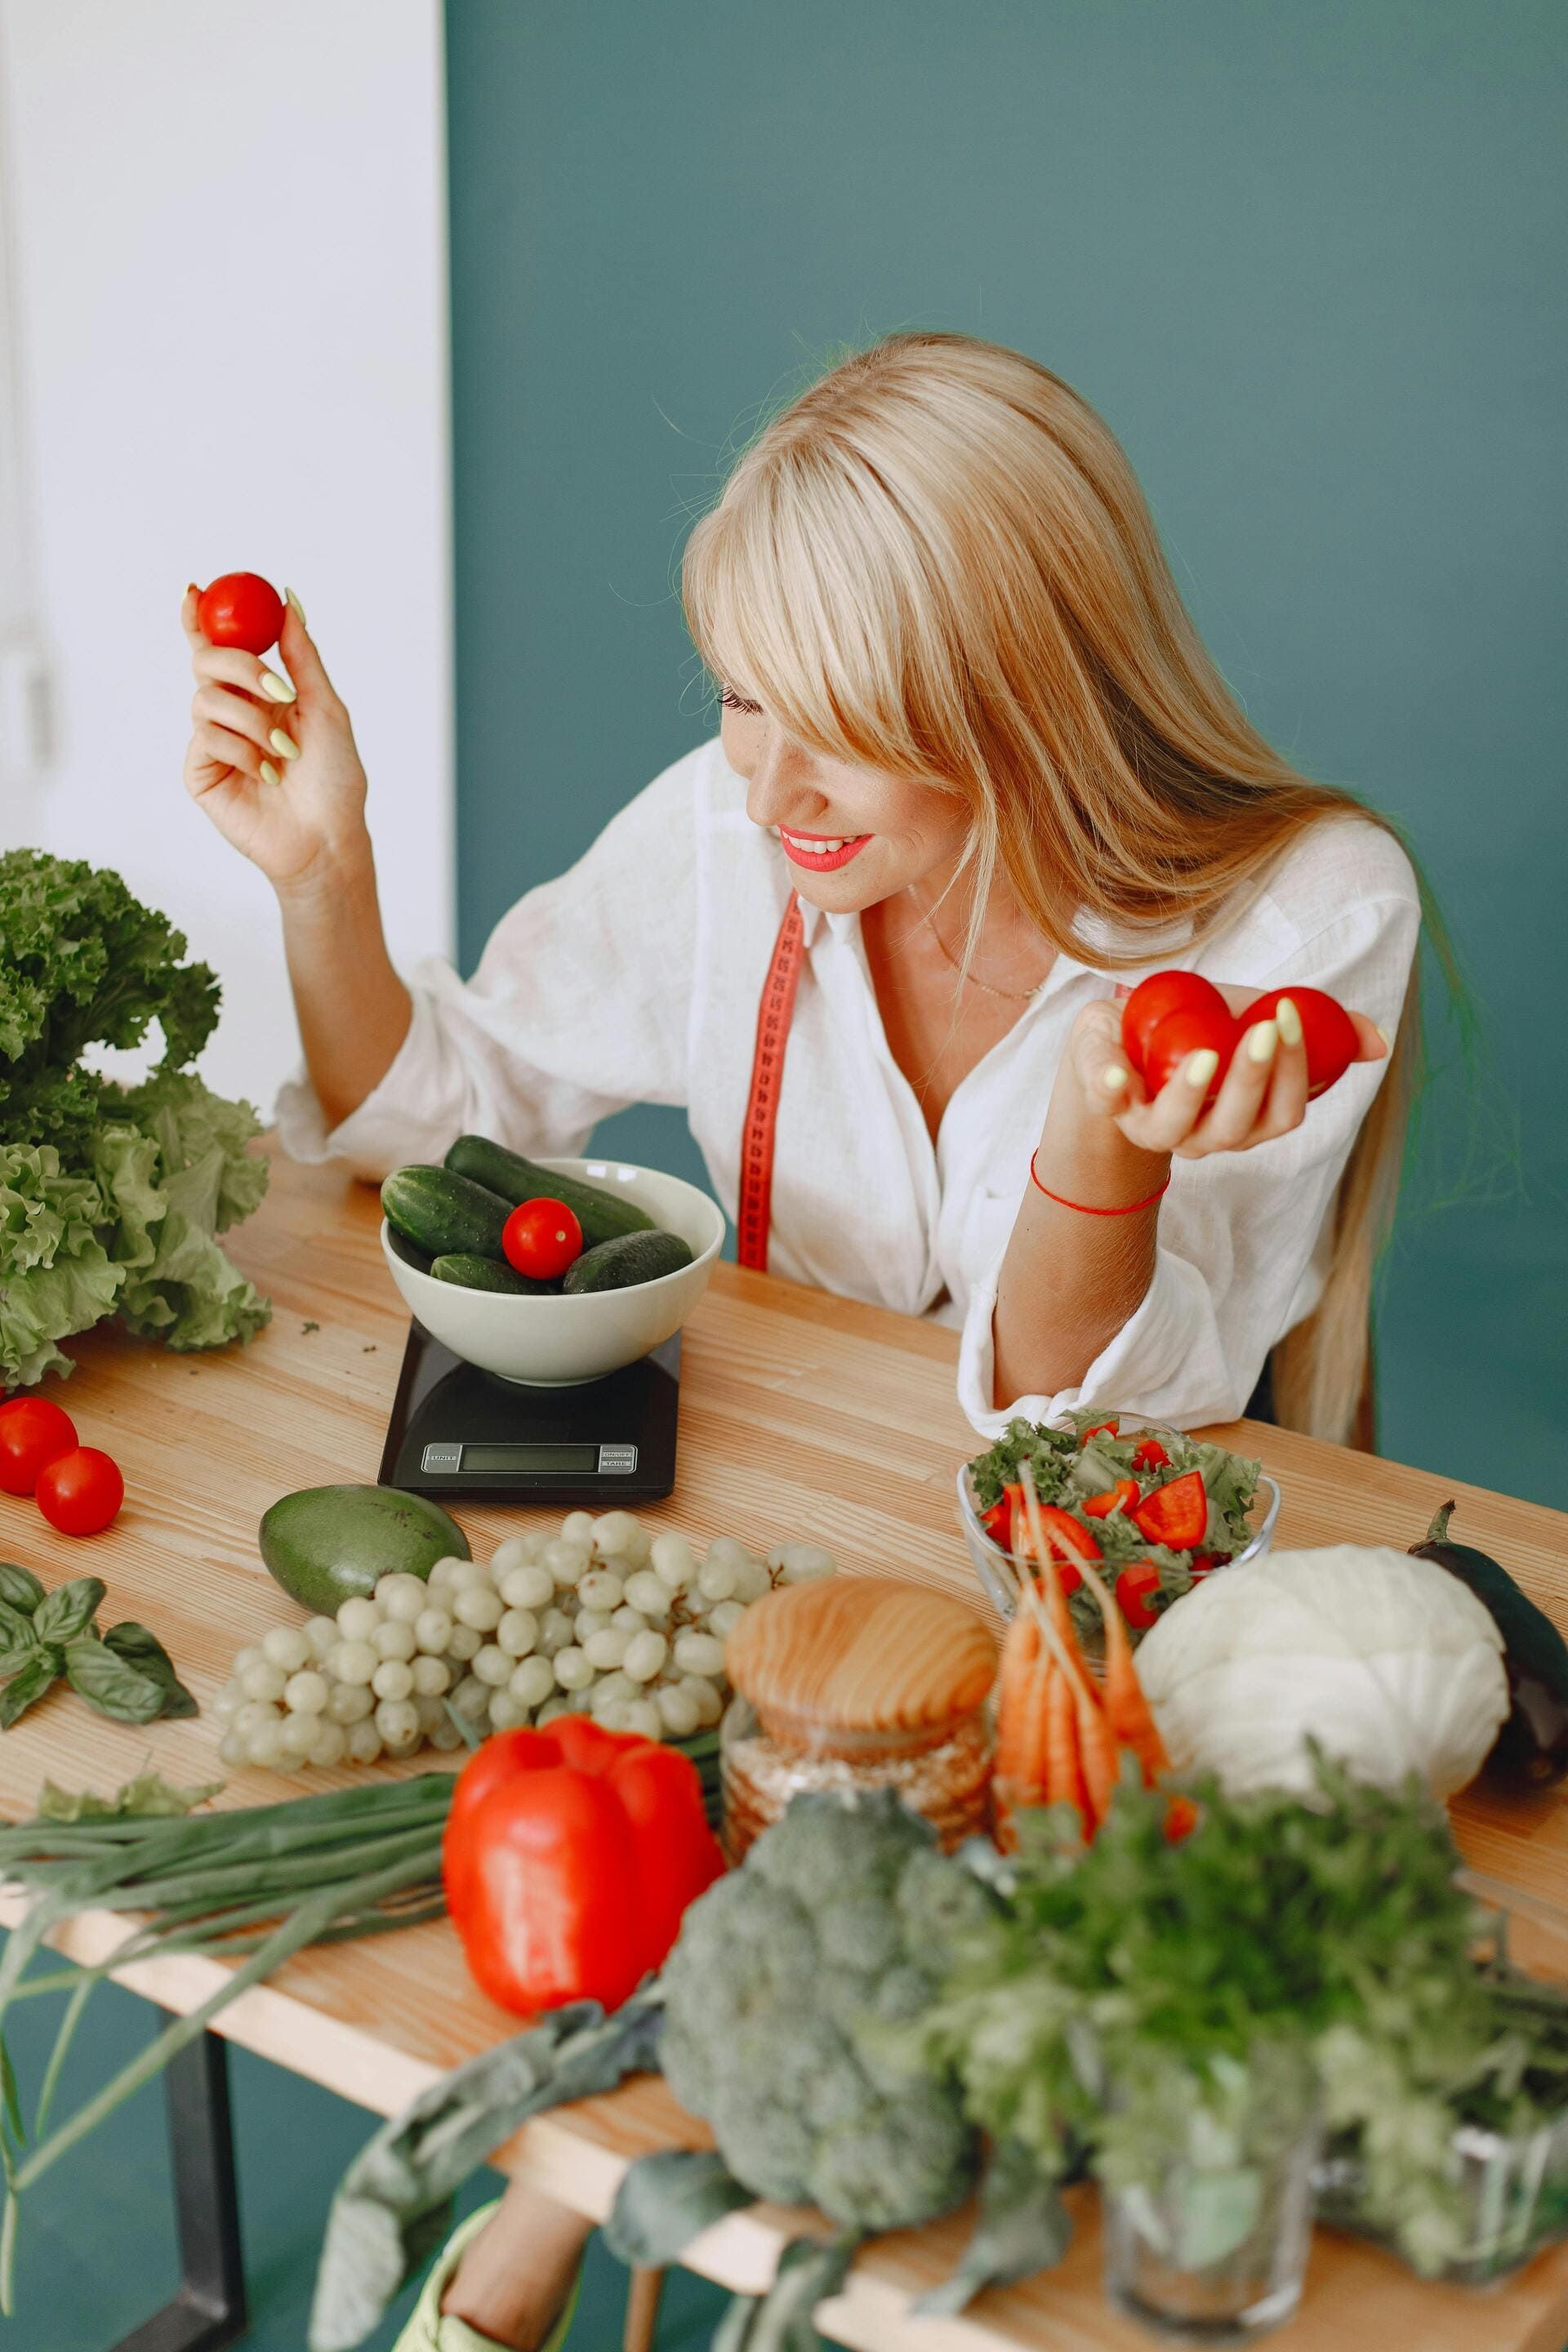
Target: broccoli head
782 1999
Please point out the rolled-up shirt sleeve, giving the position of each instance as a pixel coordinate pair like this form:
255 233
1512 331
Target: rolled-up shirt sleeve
582 1003
1243 1237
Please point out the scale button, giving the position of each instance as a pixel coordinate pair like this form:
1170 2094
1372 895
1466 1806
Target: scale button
442 1457
616 1461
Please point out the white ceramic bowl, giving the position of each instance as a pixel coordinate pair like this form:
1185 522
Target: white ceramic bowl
556 1341
989 1560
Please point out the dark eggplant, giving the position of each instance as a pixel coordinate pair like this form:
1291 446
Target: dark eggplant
1531 1749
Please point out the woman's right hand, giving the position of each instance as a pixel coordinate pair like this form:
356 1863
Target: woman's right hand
276 767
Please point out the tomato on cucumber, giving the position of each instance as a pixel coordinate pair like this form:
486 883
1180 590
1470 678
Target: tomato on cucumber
1176 1515
240 609
1162 993
541 1238
1136 1589
33 1433
1328 1033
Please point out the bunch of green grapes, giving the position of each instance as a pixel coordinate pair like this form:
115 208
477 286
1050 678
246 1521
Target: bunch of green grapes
601 1619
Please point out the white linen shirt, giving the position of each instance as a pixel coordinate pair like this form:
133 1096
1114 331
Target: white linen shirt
635 977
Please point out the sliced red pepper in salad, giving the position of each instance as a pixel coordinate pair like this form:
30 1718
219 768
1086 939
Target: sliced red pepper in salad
1135 1590
1119 1497
1101 1428
1150 1455
1175 1515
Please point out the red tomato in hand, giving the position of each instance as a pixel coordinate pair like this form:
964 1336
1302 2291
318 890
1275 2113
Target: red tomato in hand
241 609
1181 1034
1328 1032
541 1238
81 1492
1162 994
32 1433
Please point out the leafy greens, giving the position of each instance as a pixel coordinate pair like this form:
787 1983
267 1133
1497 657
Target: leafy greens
112 1197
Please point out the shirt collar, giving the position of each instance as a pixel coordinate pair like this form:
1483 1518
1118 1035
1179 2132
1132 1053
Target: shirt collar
1097 938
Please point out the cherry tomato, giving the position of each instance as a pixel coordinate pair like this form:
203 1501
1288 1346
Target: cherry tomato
1150 1455
241 609
32 1433
1135 1589
1328 1032
1164 993
1181 1034
541 1238
81 1492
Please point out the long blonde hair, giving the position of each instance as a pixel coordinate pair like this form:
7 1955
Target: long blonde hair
937 562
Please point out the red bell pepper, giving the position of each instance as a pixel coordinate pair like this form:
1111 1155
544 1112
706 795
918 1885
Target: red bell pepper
570 1855
1150 1455
1101 1428
1135 1590
997 1522
1119 1497
1175 1515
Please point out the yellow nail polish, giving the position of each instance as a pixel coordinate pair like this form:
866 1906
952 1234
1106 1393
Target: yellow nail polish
277 688
1113 1078
1261 1040
284 745
1290 1021
1199 1067
291 598
269 774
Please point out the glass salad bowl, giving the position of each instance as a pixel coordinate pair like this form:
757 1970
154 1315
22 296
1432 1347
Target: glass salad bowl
991 1562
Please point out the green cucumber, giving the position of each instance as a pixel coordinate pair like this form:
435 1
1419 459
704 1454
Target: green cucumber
325 1544
602 1215
442 1212
624 1260
471 1272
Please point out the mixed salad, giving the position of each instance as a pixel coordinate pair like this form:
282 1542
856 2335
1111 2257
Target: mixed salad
1152 1510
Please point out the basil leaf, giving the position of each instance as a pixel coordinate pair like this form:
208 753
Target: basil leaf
27 1683
19 1588
144 1652
109 1684
16 1630
68 1609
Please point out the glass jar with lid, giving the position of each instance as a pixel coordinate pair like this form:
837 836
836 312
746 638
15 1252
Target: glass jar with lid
859 1682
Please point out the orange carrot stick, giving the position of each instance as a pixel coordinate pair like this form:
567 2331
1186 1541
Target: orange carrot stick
1020 1653
1062 1779
1126 1710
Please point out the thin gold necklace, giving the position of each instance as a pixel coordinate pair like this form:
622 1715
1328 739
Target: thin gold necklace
1010 995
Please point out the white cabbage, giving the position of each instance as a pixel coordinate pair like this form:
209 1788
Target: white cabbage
1389 1663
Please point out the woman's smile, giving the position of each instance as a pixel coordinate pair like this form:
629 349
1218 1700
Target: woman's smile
823 853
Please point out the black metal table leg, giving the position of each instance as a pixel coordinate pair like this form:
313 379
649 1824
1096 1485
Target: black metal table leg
209 2310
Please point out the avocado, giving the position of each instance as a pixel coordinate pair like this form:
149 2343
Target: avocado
325 1544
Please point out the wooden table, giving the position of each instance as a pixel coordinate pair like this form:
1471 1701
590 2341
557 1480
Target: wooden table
802 1415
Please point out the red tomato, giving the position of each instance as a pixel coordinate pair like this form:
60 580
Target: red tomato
1119 1497
1135 1589
1109 1427
541 1238
1181 1034
1326 1032
1150 1455
241 609
1175 1515
1164 993
32 1433
81 1492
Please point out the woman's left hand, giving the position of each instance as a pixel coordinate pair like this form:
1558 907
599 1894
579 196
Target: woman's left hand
1263 1095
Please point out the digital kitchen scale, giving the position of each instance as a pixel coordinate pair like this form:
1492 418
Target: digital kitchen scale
457 1431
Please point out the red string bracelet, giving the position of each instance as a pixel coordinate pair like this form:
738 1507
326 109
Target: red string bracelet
1082 1207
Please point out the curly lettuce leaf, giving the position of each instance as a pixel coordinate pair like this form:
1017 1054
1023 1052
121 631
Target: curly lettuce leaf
55 1275
178 1176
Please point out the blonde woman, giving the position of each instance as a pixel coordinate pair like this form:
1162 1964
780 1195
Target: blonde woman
974 772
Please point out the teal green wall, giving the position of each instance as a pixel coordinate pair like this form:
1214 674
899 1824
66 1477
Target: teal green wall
1309 261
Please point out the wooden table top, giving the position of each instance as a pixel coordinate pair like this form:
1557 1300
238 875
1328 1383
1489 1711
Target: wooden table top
802 1416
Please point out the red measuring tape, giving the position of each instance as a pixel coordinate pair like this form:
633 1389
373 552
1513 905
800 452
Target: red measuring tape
754 1212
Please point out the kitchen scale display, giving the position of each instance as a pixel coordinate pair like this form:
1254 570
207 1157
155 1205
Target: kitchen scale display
457 1431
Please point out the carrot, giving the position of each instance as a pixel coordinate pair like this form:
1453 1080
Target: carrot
1063 1780
1126 1710
1038 1762
1096 1748
1020 1654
